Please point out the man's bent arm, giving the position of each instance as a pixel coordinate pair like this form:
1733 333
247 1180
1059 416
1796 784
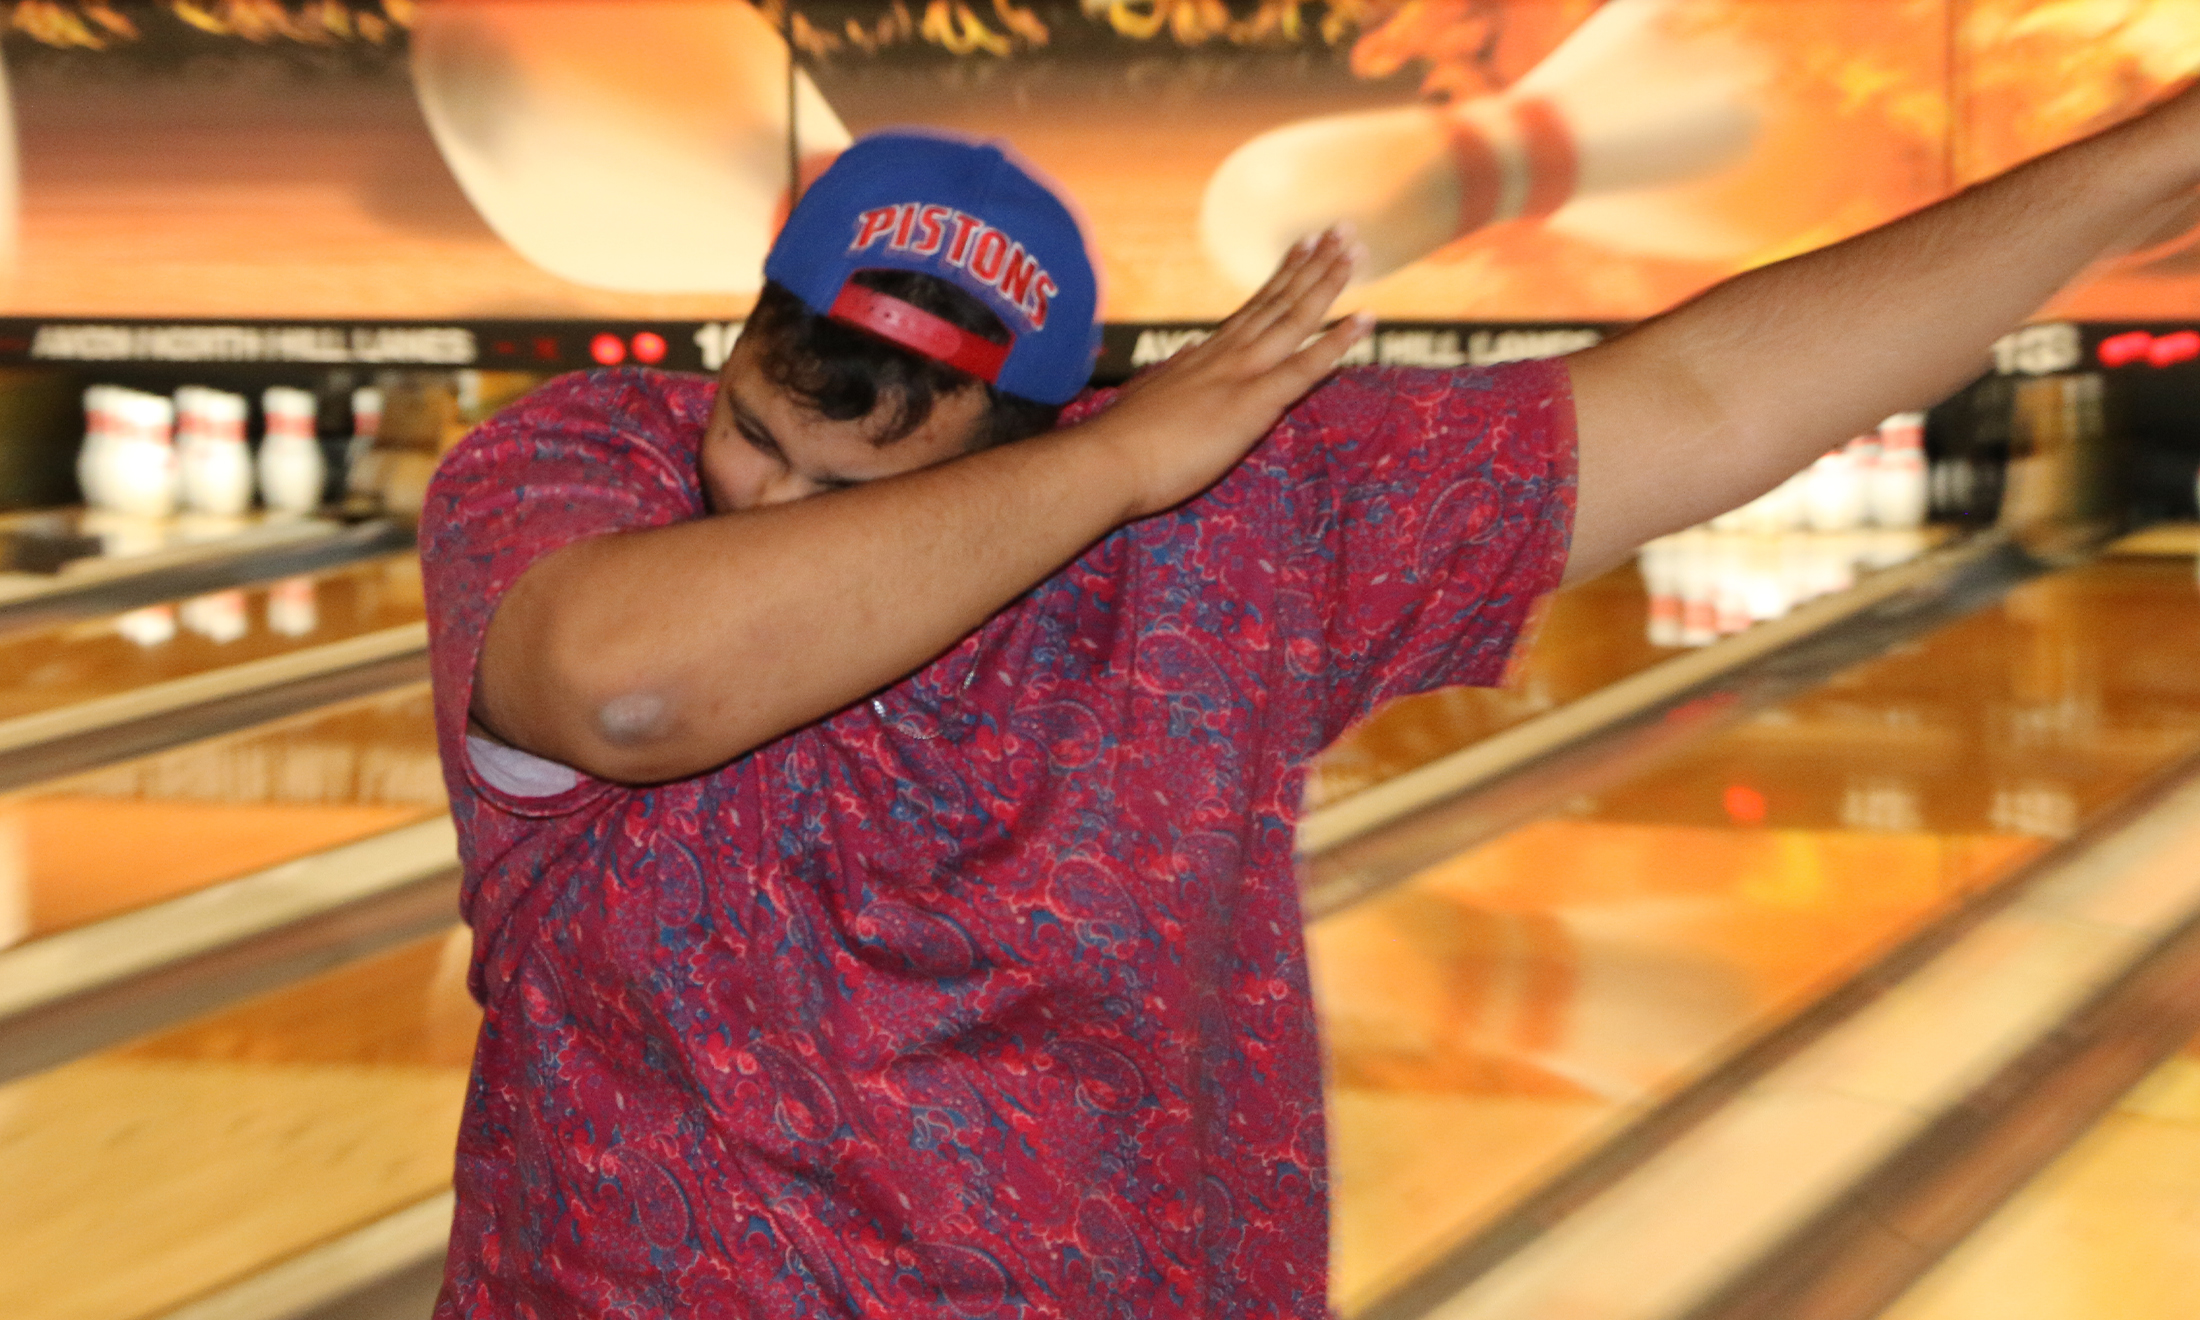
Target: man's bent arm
1716 401
655 654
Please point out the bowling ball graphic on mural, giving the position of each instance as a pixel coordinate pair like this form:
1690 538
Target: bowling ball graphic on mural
602 160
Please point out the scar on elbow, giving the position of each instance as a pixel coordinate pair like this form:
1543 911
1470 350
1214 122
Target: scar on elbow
634 718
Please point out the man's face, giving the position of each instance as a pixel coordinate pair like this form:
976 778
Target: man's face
764 447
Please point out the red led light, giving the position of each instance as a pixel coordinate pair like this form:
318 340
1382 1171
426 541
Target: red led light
2124 349
546 348
2170 350
608 349
649 347
1744 805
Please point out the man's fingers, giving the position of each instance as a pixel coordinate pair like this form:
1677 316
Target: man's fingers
1327 266
1296 374
1305 304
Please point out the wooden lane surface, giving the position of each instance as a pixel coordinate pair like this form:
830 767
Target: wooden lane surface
2112 1228
57 666
135 545
1589 636
1511 1006
94 845
143 1177
1494 1018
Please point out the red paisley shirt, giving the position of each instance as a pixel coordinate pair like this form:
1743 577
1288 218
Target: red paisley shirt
990 1000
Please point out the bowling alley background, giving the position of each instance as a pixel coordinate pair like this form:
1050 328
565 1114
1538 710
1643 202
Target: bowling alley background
272 189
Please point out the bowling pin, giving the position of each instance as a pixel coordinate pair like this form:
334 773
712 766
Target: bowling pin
217 468
1659 563
366 424
142 476
1898 491
1697 576
1784 506
1730 584
290 463
624 144
1647 130
1764 585
188 424
95 458
1833 492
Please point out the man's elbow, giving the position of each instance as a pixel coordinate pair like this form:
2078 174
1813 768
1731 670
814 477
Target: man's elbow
633 734
586 707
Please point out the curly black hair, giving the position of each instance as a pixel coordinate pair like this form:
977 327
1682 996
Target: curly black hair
843 373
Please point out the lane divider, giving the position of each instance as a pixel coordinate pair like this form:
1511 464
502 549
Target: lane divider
198 689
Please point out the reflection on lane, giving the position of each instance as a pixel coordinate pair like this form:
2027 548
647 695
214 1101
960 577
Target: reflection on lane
2112 1228
1593 634
1590 636
145 1176
91 846
1511 1006
57 666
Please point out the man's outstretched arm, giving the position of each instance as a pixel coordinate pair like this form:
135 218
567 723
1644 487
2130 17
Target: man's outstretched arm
1716 401
652 655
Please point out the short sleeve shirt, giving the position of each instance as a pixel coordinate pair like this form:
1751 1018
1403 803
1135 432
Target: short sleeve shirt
989 998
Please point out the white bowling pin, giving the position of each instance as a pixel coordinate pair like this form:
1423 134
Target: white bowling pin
217 468
141 472
1898 491
290 464
1642 97
1784 506
626 144
1833 492
95 458
1659 563
1697 570
188 424
1730 584
1764 585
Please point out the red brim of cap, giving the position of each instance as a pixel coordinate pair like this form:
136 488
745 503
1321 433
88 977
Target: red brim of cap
919 331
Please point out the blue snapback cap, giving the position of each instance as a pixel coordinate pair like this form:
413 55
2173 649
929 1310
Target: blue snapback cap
970 213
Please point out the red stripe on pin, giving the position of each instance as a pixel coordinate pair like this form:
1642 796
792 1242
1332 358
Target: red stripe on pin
1553 168
1481 176
919 331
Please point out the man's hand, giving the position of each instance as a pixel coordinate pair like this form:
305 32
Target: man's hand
1182 425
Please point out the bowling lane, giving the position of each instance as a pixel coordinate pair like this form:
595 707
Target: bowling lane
94 845
1590 635
63 664
1495 1019
1593 634
2108 1229
146 1176
124 545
